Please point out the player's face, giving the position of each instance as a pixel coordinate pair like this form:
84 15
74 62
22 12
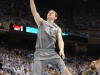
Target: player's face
96 63
51 15
93 64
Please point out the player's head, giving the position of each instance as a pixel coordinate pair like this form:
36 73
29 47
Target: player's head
52 15
92 65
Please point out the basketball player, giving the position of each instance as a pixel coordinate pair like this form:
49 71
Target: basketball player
94 68
45 52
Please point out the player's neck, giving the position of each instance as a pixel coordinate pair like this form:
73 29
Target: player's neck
93 71
50 20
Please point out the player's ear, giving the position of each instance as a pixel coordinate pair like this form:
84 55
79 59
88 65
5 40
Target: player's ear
55 18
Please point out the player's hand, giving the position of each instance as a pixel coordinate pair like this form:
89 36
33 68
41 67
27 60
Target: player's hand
61 53
97 65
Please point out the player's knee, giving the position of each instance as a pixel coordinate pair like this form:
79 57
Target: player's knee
65 71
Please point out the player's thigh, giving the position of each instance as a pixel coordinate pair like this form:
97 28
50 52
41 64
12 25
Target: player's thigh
38 66
60 63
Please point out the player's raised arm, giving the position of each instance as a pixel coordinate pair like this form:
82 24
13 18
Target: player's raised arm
35 14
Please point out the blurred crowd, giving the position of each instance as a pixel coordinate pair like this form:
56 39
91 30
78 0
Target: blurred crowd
15 60
87 16
18 60
84 33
